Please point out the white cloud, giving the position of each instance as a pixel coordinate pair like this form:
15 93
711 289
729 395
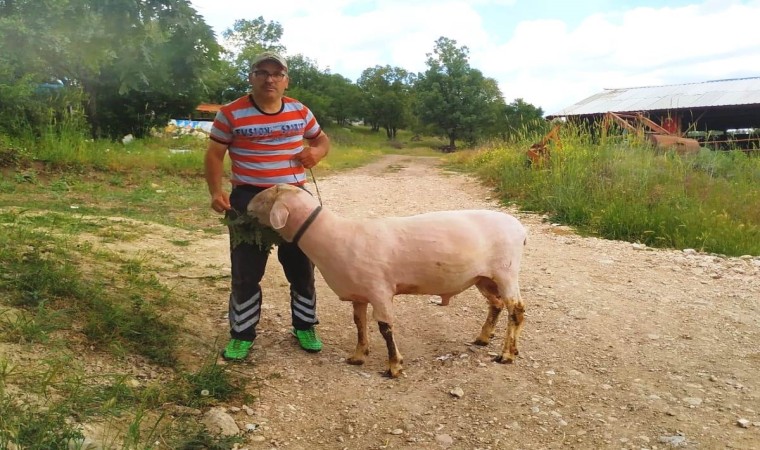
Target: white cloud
548 63
397 34
552 66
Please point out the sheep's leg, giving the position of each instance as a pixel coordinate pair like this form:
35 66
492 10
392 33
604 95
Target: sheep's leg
445 299
486 331
382 311
519 320
362 331
394 357
495 305
516 310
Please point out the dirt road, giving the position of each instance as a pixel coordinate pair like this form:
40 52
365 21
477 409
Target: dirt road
623 347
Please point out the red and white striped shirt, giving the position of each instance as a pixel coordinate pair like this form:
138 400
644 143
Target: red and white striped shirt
261 145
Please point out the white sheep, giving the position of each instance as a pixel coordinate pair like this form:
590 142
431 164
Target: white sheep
438 253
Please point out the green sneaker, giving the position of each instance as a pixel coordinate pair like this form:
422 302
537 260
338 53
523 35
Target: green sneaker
308 339
237 350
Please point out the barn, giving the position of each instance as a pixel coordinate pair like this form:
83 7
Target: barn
206 111
720 113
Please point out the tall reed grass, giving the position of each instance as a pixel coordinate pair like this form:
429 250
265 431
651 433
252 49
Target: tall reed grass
627 190
64 147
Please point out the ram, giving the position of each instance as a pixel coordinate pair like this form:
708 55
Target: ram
368 262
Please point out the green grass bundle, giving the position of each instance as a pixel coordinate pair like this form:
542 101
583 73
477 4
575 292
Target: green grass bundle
245 228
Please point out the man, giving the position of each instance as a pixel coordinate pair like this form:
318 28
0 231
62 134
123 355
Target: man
264 133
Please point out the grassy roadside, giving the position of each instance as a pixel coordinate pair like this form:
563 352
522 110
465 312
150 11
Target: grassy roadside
68 297
629 191
64 298
157 180
65 295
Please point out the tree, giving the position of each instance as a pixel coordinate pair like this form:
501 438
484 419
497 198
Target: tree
248 38
307 85
30 90
522 118
345 99
224 82
331 97
386 98
228 78
137 62
457 100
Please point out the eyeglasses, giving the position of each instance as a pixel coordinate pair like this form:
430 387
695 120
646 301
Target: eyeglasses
263 75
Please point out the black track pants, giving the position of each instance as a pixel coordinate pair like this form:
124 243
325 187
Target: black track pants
248 266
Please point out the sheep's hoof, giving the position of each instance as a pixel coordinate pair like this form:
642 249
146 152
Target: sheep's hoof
355 361
480 342
502 360
391 374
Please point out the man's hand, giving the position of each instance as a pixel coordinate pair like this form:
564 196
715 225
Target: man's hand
221 202
213 164
312 154
309 156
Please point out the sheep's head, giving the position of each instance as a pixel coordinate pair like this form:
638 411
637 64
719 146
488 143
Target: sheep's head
269 209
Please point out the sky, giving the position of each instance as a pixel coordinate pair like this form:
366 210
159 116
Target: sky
551 54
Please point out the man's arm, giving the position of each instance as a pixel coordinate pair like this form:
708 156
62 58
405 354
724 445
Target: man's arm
214 166
318 148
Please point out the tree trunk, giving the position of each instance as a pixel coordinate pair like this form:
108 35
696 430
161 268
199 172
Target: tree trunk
8 9
91 108
390 132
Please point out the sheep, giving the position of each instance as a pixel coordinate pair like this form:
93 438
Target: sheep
437 253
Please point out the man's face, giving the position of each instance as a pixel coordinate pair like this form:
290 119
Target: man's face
268 80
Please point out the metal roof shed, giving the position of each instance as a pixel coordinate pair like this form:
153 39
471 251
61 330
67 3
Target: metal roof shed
709 105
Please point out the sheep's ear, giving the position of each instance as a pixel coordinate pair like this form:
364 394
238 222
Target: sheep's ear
278 216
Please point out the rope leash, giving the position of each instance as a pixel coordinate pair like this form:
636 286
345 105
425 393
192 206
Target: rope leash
316 186
313 179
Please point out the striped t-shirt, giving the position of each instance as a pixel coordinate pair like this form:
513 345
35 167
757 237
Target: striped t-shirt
262 145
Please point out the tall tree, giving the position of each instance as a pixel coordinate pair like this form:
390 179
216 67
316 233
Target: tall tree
345 98
387 97
224 82
228 78
137 61
248 38
457 100
307 85
331 97
522 119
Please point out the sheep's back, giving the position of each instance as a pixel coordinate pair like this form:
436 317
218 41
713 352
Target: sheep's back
441 252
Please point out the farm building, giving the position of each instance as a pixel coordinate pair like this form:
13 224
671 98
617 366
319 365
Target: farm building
206 111
721 113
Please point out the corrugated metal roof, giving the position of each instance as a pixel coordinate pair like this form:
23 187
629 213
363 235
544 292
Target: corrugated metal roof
740 91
